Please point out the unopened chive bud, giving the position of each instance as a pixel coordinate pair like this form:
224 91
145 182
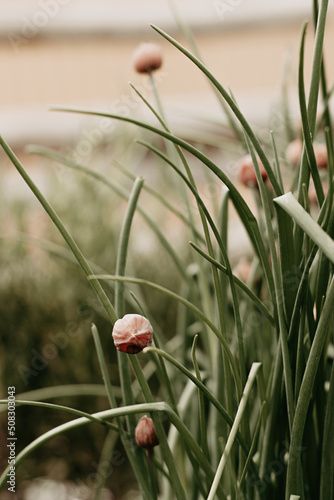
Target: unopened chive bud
147 57
132 333
145 434
246 171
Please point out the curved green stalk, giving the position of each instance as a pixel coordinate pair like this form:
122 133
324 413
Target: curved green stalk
104 370
196 381
325 93
278 292
164 446
186 32
208 394
84 420
67 409
327 456
125 359
205 213
136 457
317 64
153 192
231 103
65 391
232 436
312 107
50 153
276 162
202 419
253 444
124 369
63 231
241 206
123 244
305 124
257 302
203 217
192 307
289 203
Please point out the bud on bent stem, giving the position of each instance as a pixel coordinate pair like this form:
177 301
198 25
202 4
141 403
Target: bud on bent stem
132 333
145 434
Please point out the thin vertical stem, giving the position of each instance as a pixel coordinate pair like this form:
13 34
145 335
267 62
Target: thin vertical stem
293 485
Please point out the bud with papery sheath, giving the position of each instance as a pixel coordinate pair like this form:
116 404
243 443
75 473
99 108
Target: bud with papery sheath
147 57
145 434
132 333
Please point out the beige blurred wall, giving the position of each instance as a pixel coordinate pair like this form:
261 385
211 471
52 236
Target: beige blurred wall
71 70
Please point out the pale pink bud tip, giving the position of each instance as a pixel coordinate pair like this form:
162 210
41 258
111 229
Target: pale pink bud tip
294 151
247 172
132 333
147 57
320 151
145 434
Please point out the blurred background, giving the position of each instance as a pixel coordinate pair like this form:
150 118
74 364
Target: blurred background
79 53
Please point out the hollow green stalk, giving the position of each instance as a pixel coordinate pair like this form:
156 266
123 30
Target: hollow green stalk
164 446
103 415
279 299
205 214
202 418
240 284
208 394
327 456
305 124
190 306
294 484
288 203
136 457
312 106
231 103
63 231
232 436
241 206
202 274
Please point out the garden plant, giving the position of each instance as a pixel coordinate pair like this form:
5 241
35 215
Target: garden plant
238 401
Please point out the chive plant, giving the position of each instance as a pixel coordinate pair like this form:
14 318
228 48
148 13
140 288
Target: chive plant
244 404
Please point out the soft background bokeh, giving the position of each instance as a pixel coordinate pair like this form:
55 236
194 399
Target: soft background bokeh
79 52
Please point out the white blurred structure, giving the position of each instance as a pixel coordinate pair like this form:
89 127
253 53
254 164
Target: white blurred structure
78 53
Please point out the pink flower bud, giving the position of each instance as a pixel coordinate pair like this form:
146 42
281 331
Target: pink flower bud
132 333
145 434
247 172
320 152
295 149
242 269
147 57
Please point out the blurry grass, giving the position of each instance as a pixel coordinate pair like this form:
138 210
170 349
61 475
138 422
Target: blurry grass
46 306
